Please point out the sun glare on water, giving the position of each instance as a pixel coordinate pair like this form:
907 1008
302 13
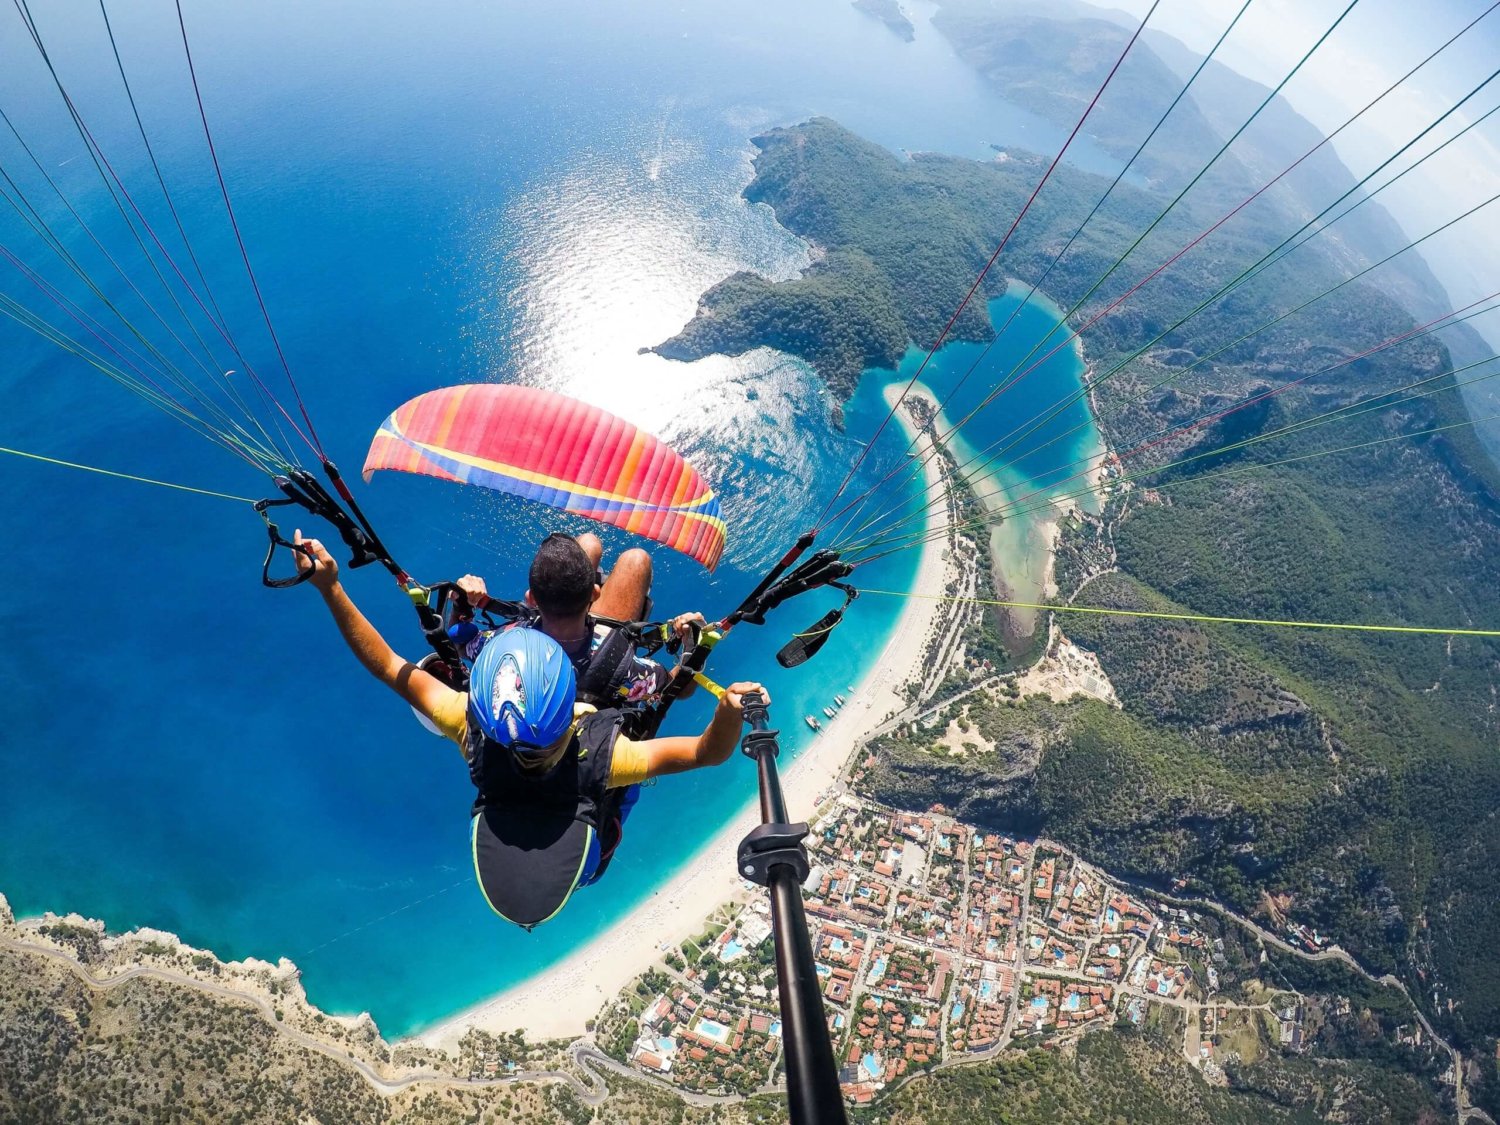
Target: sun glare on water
608 258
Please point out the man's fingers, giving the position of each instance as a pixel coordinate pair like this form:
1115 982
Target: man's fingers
309 551
736 693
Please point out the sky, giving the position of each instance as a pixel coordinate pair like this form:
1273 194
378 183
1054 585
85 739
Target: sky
1374 46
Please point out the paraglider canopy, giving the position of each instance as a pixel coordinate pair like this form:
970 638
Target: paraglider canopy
548 447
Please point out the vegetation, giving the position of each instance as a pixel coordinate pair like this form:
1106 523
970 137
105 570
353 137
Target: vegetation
150 1051
1143 1078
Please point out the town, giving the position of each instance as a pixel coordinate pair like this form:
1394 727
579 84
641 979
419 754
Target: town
935 943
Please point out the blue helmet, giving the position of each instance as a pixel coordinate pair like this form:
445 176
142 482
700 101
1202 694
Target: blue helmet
521 690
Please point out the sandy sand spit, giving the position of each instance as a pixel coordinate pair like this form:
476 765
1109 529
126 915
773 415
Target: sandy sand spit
558 1002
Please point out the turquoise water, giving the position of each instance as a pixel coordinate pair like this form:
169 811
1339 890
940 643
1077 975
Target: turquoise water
429 198
1024 435
713 1030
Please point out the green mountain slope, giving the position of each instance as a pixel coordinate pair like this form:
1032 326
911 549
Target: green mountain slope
1349 777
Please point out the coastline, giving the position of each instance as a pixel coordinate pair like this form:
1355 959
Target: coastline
559 1001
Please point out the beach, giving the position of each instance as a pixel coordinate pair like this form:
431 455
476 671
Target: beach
558 1002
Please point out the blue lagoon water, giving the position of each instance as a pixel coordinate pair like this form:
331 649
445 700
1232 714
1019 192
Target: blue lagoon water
429 197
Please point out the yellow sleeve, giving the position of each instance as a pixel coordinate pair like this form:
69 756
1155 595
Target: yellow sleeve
452 717
629 765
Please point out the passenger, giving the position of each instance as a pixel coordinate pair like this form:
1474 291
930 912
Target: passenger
556 778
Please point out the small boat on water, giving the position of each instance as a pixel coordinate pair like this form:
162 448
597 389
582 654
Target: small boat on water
838 700
850 689
812 722
828 711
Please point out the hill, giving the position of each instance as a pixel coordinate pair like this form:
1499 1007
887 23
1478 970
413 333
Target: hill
1352 778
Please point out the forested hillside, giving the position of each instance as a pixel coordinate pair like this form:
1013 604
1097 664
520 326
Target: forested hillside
1351 778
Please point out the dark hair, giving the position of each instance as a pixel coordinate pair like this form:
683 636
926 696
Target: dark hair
562 577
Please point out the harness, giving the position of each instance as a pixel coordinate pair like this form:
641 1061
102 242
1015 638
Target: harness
576 786
606 667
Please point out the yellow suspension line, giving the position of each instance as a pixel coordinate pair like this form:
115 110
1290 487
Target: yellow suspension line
124 476
1103 612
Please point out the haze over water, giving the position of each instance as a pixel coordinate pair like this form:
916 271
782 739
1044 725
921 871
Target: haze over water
428 198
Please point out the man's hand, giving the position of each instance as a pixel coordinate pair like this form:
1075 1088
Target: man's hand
473 588
325 575
683 624
732 702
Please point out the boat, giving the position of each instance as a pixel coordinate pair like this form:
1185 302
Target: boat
812 722
828 711
839 700
850 689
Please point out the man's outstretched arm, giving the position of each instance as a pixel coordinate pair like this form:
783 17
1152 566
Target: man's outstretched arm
713 746
423 691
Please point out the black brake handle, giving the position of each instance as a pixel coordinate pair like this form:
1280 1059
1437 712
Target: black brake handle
278 540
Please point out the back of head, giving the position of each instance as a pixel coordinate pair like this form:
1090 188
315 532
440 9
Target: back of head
521 691
562 577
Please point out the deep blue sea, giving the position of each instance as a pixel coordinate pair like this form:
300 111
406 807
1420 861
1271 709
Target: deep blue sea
430 195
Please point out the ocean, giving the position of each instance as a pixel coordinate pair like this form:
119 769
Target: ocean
429 198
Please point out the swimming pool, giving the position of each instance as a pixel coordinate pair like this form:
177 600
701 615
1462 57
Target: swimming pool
712 1029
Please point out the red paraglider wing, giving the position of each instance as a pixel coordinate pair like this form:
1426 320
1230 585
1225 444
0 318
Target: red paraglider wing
548 447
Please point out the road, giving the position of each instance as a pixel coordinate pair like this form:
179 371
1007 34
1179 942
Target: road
589 1057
